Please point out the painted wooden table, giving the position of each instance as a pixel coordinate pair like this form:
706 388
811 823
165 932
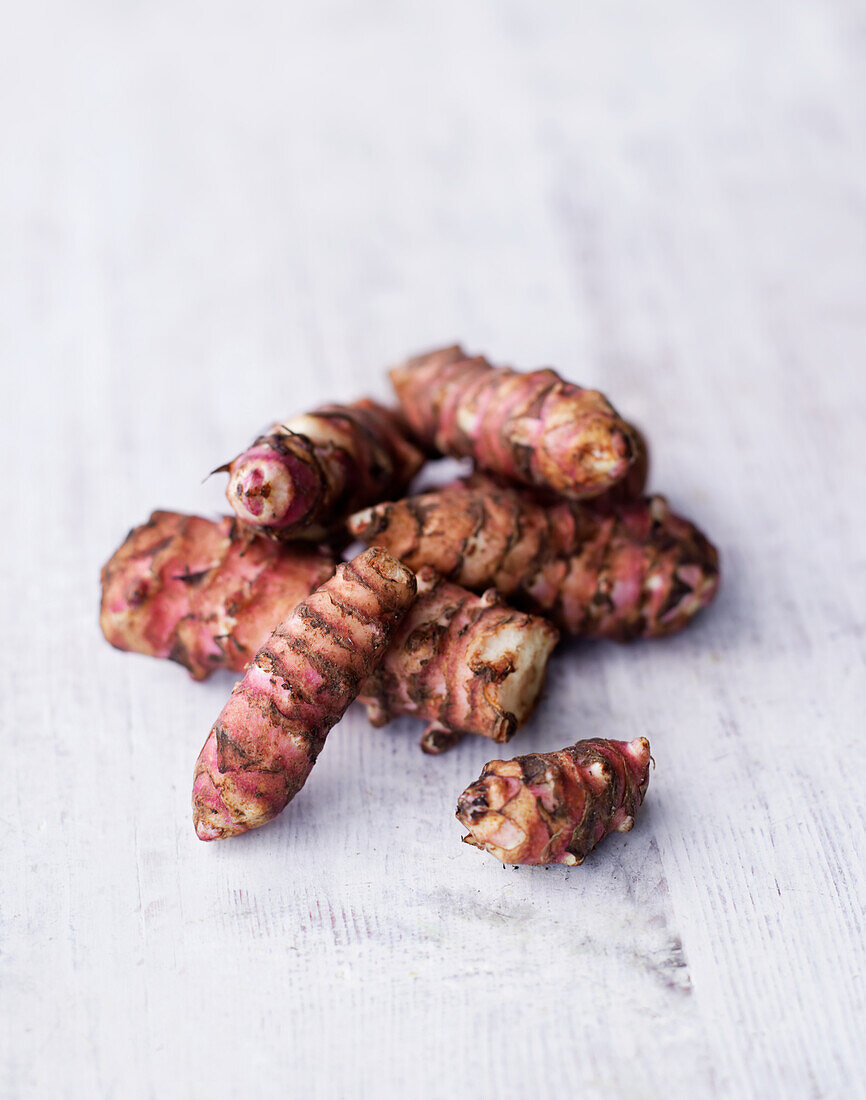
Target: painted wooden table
214 214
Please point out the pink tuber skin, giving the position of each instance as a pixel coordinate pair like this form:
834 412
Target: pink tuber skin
554 807
301 479
630 569
205 594
464 663
265 742
532 428
181 587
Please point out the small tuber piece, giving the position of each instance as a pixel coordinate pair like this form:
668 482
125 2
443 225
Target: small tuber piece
554 807
265 742
534 428
464 663
301 479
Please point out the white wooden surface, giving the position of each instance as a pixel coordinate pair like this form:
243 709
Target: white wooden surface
213 213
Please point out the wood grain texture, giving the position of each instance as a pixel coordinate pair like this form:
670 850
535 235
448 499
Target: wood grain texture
213 214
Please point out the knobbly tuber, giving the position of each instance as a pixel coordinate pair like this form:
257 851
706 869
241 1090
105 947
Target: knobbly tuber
204 594
264 744
533 428
301 479
554 807
632 569
464 663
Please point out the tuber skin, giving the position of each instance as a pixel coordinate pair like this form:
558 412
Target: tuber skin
533 428
465 663
554 807
301 479
450 636
633 485
628 570
205 594
265 742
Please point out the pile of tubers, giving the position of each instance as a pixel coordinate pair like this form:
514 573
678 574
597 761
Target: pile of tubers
553 519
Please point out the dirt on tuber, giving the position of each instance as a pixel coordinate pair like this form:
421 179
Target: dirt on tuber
554 807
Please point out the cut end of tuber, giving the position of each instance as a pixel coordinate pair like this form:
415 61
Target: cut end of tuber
261 489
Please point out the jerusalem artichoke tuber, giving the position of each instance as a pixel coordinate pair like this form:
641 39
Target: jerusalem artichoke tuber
264 744
301 479
466 664
533 428
554 807
632 569
204 594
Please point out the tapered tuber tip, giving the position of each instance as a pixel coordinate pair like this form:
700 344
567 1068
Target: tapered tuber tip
639 750
637 758
395 584
360 523
261 488
594 458
387 566
210 815
637 755
233 801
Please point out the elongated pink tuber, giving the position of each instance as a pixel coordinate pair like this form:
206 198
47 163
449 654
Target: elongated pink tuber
264 744
554 807
532 428
206 594
464 663
632 569
302 478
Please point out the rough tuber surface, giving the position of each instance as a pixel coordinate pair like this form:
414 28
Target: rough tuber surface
554 807
452 635
464 663
628 570
205 594
533 428
301 479
264 744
